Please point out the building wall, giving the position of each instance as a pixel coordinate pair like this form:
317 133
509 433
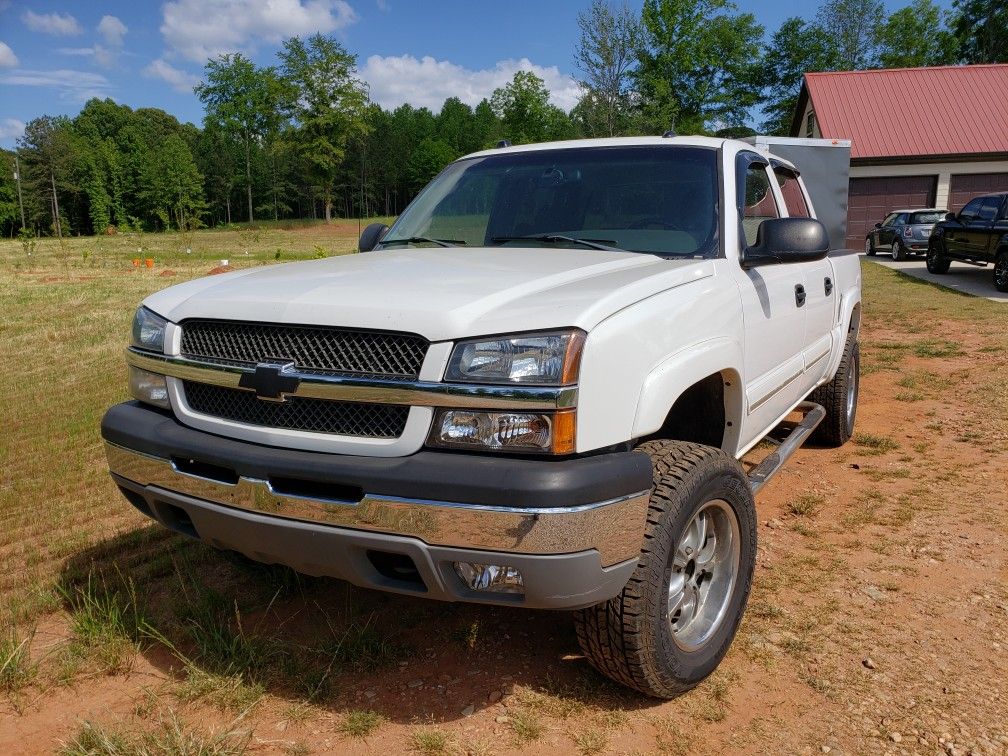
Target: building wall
944 172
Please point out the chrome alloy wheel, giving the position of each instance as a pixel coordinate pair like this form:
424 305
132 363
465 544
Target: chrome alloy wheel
705 567
852 391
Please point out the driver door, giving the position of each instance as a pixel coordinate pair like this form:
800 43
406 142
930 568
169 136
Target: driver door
774 328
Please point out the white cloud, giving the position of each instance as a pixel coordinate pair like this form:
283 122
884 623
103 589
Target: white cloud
7 57
76 85
112 30
60 24
203 29
180 80
428 82
11 129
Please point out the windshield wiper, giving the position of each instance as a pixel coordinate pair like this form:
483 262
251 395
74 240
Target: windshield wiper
419 239
559 238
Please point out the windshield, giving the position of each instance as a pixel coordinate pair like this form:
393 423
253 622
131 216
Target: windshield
654 199
927 217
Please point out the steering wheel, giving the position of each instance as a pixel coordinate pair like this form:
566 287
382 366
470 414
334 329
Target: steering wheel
654 222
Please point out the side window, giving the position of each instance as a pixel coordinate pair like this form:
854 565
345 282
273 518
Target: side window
890 220
794 200
971 210
900 219
989 209
760 204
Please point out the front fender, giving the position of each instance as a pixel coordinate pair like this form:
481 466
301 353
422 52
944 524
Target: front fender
666 383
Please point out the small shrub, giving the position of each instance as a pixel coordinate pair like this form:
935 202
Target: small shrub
876 444
526 726
16 668
357 724
430 741
806 504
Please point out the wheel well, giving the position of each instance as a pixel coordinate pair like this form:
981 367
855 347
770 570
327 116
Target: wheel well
699 414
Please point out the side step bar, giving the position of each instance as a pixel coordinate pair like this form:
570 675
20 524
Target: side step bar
767 468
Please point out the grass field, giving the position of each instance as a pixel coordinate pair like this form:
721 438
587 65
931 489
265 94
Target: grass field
118 637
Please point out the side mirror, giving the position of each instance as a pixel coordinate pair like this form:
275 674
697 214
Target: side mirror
950 216
787 240
878 225
370 237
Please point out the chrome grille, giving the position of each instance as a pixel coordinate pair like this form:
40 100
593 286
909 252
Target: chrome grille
298 413
332 351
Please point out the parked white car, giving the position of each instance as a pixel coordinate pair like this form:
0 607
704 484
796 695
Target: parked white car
533 390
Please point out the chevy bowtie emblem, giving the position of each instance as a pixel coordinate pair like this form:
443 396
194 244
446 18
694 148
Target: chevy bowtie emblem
271 381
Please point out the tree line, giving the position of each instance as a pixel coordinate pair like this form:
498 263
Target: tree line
301 139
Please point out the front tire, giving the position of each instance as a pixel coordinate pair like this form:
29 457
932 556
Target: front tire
936 262
839 397
675 619
869 248
1001 272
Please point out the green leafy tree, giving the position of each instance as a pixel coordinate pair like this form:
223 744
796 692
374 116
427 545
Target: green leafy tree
427 160
329 109
795 48
853 24
916 36
699 65
10 216
170 184
981 29
245 101
606 55
525 111
48 151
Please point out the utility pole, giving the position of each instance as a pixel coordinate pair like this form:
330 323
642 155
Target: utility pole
17 178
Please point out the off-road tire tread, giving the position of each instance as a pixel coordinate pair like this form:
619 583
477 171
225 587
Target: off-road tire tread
832 431
614 634
997 260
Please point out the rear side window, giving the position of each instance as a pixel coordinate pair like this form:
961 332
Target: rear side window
989 208
760 204
794 200
972 209
927 217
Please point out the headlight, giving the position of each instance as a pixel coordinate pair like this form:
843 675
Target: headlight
540 359
148 387
517 432
148 330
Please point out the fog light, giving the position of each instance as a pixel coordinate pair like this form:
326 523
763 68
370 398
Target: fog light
148 387
490 577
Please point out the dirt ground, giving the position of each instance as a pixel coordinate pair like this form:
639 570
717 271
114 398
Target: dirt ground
877 622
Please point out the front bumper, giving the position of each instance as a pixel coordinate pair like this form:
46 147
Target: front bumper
573 528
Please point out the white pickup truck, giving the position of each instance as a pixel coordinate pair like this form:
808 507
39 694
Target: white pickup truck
533 390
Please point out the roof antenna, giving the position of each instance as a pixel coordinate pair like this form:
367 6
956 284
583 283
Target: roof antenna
669 134
503 143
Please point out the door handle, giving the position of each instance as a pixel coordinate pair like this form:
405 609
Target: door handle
828 285
799 294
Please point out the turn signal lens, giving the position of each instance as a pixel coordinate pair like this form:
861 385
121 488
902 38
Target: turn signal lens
519 432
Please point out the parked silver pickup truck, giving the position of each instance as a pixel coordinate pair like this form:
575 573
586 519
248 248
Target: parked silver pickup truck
533 390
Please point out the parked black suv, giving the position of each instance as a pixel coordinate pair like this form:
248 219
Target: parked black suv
977 235
903 232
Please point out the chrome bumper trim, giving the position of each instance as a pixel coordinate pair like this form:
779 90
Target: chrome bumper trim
369 390
615 528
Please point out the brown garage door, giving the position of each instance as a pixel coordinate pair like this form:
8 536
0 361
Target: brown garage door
965 186
870 199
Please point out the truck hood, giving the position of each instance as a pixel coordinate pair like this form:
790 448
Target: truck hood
441 294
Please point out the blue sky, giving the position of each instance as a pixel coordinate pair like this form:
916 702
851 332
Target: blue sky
56 54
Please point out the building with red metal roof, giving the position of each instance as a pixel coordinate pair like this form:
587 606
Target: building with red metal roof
920 137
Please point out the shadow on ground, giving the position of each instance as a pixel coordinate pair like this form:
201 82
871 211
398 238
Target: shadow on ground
225 629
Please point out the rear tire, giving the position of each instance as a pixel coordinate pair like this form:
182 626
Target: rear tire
1001 272
839 397
675 619
897 251
936 262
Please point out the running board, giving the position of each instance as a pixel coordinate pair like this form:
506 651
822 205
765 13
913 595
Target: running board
767 468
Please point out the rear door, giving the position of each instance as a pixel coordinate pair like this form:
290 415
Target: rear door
820 296
980 232
957 242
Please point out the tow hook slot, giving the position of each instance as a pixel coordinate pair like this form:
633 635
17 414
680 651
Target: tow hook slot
196 469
